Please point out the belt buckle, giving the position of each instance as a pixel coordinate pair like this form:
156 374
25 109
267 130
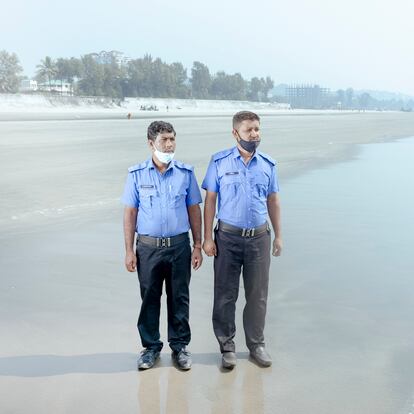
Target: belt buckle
248 233
164 242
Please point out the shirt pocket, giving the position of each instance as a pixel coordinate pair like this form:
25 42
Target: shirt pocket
148 198
177 197
231 194
230 185
260 189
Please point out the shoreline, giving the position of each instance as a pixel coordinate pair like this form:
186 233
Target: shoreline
57 114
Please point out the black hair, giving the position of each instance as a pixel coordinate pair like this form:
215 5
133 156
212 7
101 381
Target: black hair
243 116
158 127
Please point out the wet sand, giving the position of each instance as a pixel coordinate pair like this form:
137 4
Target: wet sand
68 307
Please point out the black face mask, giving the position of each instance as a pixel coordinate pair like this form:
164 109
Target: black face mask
249 146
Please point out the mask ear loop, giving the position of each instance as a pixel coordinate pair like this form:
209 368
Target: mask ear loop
238 135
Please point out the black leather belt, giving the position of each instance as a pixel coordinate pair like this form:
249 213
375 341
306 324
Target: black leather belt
255 231
162 241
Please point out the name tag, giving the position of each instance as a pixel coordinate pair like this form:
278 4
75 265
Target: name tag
232 173
147 186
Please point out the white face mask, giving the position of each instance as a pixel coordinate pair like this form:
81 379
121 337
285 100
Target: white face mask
164 157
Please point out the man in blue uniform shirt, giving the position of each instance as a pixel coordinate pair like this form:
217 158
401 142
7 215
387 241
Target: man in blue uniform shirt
246 184
161 200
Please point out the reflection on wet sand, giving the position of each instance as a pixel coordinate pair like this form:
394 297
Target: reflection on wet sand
239 390
149 391
178 392
204 389
164 389
225 393
253 396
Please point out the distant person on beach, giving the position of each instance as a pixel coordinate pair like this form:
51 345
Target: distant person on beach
245 182
162 200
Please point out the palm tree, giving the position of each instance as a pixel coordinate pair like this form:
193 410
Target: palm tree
47 69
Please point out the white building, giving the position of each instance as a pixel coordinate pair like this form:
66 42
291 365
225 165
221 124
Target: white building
28 85
62 88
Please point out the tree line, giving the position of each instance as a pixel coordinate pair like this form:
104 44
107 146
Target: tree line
104 74
109 74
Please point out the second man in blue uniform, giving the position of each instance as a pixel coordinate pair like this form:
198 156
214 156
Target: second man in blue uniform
245 183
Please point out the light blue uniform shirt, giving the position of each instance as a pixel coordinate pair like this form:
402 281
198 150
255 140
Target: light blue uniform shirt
161 199
242 189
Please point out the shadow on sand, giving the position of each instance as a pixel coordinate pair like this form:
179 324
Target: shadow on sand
108 363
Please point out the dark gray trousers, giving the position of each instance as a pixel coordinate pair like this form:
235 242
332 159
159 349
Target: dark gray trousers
235 252
172 265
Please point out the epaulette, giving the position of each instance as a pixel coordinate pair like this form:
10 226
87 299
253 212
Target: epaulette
137 167
183 166
222 154
268 158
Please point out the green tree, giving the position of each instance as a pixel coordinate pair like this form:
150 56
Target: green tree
200 81
92 77
177 78
258 89
365 101
255 88
10 71
138 82
340 98
349 98
155 78
268 85
226 86
237 86
68 70
46 70
113 76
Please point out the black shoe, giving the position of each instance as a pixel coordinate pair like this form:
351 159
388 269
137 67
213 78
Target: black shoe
182 359
228 360
147 358
261 356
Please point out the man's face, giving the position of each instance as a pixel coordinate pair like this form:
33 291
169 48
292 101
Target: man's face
165 142
248 130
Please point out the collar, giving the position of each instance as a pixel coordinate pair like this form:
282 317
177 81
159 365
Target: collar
236 153
151 165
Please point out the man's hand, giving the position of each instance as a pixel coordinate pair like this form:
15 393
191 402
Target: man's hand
277 246
131 261
209 247
196 258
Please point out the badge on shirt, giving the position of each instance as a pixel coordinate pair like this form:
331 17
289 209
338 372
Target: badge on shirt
147 186
232 173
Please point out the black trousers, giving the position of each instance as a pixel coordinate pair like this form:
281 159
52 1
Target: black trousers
235 252
172 265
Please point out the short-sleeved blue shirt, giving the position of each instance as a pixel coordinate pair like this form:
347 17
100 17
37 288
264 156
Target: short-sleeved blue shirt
242 189
161 199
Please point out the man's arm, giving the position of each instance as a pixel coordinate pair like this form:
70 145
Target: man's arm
130 221
194 215
273 207
209 212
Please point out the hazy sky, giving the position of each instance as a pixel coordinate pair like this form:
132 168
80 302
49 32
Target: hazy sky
358 43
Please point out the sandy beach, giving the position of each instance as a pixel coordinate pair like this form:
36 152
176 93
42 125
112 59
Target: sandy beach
68 307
